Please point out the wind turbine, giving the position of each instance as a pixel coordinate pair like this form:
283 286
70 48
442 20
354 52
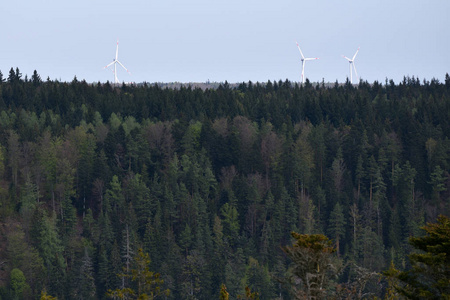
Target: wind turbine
115 62
303 63
352 62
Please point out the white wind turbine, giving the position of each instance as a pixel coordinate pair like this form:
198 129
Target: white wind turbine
303 63
115 62
352 62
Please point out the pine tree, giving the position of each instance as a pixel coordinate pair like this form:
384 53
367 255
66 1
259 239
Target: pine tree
85 284
114 202
103 272
336 226
437 183
36 79
51 251
257 278
147 285
337 170
230 222
12 76
430 271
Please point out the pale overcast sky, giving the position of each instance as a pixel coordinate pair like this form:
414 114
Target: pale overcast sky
193 41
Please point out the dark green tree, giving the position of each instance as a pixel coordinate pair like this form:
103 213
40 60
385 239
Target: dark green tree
85 282
36 79
336 227
429 276
257 278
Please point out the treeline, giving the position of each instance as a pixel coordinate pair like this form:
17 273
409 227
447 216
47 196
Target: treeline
210 183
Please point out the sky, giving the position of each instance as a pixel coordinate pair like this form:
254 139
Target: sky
232 40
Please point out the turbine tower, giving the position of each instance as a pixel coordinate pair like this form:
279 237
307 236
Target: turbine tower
115 62
303 63
352 62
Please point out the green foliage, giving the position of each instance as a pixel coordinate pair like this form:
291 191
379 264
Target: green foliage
430 273
18 282
29 197
192 276
391 275
2 161
205 178
257 278
437 182
148 284
230 221
337 224
25 257
115 121
85 282
191 138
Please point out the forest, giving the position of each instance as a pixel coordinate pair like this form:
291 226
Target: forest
201 189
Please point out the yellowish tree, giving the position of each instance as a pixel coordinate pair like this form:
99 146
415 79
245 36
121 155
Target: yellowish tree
45 296
224 295
147 284
312 265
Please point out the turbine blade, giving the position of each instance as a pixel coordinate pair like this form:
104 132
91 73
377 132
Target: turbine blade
117 50
311 58
355 54
123 67
108 65
300 50
346 58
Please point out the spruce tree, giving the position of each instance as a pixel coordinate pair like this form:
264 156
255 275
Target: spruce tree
336 227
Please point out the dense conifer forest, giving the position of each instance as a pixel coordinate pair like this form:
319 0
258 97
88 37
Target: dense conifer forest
200 189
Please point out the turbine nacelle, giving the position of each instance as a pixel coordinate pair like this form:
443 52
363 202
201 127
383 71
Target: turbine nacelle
352 63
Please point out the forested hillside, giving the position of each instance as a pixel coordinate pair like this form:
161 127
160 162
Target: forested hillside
211 183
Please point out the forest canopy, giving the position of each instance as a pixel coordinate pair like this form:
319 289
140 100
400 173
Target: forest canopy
207 184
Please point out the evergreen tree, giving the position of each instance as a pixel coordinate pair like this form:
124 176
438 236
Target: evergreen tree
147 284
51 251
257 278
25 257
230 222
336 226
429 275
192 275
94 166
12 76
85 284
35 78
